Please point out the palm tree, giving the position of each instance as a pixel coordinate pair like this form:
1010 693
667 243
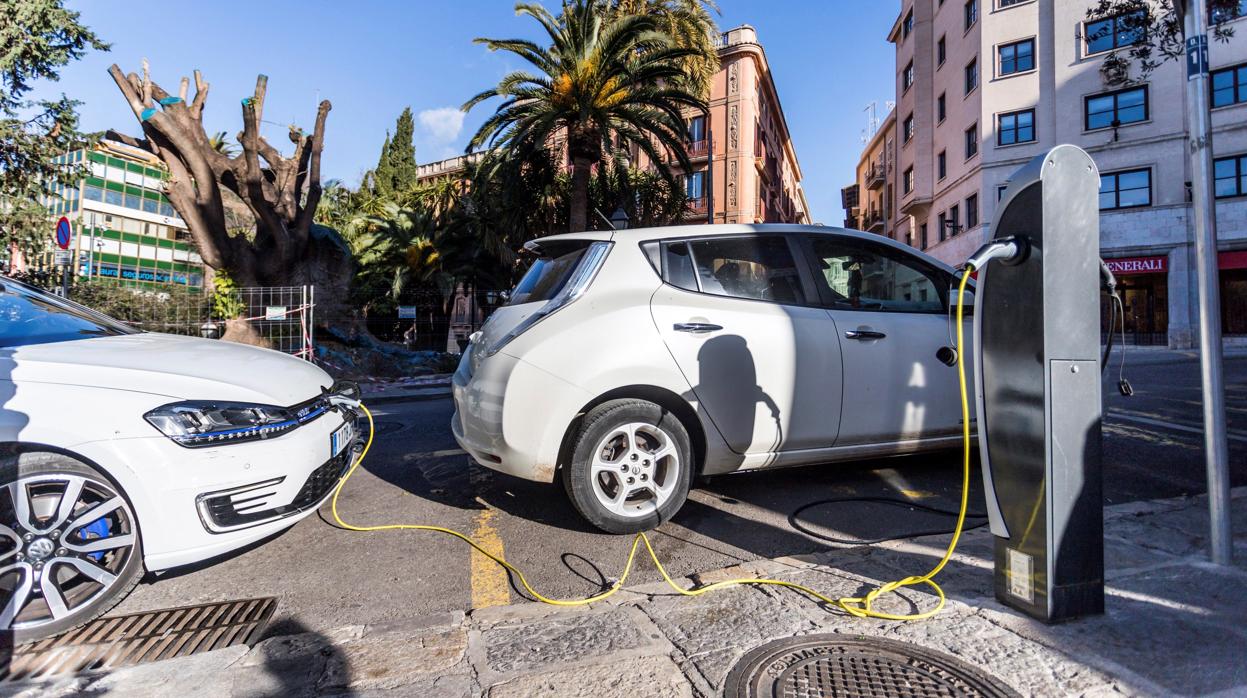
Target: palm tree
221 143
395 249
690 25
604 81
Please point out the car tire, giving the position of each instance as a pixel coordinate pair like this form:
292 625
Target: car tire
96 562
631 465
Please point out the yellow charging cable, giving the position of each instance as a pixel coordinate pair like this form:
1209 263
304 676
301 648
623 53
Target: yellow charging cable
856 606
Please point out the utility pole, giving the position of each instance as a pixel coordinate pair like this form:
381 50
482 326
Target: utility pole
1203 213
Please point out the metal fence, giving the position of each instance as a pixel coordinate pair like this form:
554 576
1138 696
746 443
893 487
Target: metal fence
176 311
283 316
429 320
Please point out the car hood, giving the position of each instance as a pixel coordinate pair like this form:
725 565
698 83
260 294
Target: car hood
182 367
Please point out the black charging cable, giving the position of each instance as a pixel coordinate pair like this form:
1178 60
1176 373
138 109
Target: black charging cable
794 520
1116 314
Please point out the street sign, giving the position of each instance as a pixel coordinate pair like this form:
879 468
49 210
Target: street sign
63 233
406 312
275 312
1196 56
63 258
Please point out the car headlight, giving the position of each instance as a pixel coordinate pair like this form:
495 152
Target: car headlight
210 423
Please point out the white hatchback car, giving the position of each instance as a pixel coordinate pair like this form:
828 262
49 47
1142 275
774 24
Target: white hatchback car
628 362
122 451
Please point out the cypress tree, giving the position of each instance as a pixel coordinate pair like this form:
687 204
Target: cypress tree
383 175
402 154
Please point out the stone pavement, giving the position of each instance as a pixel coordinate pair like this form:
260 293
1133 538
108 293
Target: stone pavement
1174 625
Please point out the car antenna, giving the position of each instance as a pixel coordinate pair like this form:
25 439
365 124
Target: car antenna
605 220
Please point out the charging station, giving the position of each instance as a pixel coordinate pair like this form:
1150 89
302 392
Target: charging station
1037 343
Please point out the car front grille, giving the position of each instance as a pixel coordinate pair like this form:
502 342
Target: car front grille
245 506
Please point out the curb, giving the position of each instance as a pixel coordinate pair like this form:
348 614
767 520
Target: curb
409 397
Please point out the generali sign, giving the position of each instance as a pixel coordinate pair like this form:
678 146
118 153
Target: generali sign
1138 265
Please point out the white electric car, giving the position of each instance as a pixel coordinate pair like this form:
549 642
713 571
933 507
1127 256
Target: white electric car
628 362
123 450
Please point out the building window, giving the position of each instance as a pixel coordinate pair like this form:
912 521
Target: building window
1009 3
907 129
907 27
972 141
1016 127
907 180
697 129
1116 108
922 236
954 220
1229 176
942 223
1000 191
972 75
972 211
695 186
907 77
971 13
1225 14
1115 32
1017 57
1127 189
1229 85
940 108
941 165
941 52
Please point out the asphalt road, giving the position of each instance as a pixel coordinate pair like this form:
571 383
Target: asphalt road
327 577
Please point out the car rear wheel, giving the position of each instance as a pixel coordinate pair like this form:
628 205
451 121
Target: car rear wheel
631 466
69 545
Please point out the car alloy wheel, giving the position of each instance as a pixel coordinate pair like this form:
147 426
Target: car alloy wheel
635 469
66 540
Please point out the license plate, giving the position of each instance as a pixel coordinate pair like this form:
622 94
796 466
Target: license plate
340 439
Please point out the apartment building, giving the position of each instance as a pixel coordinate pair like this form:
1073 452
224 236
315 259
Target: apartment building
868 201
985 85
123 227
744 163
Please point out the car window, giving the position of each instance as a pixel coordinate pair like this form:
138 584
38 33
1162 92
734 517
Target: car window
31 316
548 274
758 267
679 266
862 276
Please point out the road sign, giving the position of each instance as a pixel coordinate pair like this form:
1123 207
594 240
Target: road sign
1196 56
406 312
63 233
64 258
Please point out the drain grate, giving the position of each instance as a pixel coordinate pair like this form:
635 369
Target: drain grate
108 643
843 667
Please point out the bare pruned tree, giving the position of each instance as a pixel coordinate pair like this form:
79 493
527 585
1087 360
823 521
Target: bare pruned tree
1151 31
281 192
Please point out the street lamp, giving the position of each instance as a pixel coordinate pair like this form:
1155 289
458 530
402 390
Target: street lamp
619 219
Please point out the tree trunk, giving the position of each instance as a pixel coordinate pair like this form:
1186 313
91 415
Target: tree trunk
578 218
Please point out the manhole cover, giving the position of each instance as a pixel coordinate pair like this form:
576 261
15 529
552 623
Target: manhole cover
835 665
117 641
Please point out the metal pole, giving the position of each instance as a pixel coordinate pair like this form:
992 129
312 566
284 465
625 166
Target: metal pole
1195 26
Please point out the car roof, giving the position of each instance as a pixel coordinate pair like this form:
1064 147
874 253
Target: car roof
639 235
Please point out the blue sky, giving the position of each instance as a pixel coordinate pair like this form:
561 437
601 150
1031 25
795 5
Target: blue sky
829 58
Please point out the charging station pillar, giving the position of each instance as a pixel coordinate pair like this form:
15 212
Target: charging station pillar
1037 344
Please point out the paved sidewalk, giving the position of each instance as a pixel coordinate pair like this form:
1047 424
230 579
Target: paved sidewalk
1174 625
381 391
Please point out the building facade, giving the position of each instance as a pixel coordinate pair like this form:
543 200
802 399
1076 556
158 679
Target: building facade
868 201
985 85
744 164
124 228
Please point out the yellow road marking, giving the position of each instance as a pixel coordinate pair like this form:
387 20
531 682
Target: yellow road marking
490 586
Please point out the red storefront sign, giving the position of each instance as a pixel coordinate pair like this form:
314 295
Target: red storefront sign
1138 265
1232 260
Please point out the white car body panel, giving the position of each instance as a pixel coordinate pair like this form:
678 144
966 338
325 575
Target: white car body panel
514 408
87 397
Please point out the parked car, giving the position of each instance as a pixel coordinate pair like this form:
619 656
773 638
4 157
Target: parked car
628 362
123 451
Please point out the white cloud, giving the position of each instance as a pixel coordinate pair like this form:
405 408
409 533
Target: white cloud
443 124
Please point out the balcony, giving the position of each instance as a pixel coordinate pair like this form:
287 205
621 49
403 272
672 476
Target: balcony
872 221
697 150
696 207
876 175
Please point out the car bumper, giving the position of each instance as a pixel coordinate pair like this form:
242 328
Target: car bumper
511 416
218 499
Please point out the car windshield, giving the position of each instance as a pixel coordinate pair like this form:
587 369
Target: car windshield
549 273
31 316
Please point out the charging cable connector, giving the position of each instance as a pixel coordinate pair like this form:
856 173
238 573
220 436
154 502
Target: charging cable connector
1010 250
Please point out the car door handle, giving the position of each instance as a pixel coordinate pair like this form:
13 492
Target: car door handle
863 334
696 327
